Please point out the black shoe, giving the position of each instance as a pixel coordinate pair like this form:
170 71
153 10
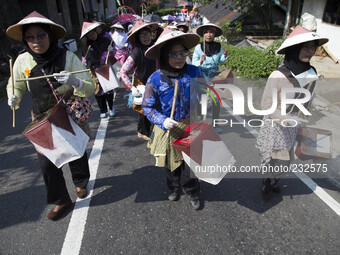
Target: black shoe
195 203
173 196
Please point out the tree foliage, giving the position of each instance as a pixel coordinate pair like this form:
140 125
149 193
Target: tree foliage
261 9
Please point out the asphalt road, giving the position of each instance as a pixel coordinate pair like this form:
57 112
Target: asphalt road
129 212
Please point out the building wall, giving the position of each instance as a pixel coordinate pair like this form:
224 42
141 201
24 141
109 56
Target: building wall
103 13
316 8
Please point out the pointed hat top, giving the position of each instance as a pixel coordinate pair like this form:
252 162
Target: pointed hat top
139 25
88 26
15 31
117 25
190 40
300 35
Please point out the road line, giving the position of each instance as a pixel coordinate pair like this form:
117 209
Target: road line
323 195
76 227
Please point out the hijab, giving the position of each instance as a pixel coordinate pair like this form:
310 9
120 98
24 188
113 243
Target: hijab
47 59
211 48
292 61
98 47
165 67
119 38
52 61
144 66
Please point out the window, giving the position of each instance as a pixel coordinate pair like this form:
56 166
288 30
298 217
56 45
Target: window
332 12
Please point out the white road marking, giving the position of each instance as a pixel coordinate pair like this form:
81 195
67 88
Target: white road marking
323 195
75 231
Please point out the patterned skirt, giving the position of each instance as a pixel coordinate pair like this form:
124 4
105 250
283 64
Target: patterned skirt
161 147
275 141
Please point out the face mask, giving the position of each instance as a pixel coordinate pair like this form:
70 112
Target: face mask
119 39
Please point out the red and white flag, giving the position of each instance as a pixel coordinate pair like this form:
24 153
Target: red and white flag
107 77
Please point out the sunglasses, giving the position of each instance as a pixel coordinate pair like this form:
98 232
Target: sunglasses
146 34
176 54
39 36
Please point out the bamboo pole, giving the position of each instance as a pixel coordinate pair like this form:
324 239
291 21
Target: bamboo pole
12 76
50 75
203 46
108 53
87 52
173 104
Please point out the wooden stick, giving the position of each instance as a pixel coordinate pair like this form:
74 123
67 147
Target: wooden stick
108 53
50 76
12 76
203 46
87 52
173 104
330 54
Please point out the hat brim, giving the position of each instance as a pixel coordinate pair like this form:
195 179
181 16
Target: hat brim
15 31
201 29
90 28
118 27
302 38
190 41
153 26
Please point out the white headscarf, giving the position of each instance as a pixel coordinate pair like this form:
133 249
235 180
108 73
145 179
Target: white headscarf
119 38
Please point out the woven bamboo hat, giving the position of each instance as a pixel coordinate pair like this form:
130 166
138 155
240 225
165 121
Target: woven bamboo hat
117 25
218 30
300 35
88 26
190 40
139 25
15 31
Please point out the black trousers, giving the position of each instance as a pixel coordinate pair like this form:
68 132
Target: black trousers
144 125
191 186
216 110
54 180
101 100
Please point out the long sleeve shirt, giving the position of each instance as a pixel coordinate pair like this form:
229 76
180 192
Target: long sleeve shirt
26 62
209 66
159 92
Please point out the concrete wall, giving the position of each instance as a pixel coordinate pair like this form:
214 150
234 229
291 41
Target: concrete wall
316 8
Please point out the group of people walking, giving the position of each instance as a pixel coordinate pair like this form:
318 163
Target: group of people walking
157 59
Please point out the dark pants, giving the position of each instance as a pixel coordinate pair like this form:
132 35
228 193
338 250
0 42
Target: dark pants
54 180
101 100
216 110
191 186
144 125
274 176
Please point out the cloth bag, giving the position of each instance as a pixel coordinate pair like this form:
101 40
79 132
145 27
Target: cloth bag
79 108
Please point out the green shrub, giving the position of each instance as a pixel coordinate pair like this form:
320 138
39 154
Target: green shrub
152 8
274 46
164 12
251 62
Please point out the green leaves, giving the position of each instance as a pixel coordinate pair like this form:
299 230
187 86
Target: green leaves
251 62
